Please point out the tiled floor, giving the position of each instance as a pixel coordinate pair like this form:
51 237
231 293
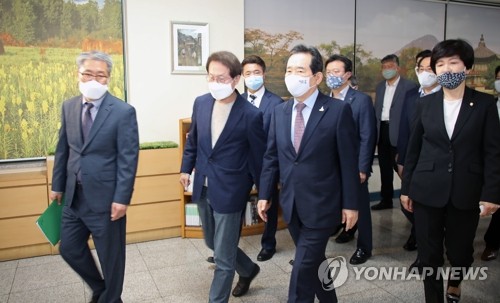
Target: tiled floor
175 270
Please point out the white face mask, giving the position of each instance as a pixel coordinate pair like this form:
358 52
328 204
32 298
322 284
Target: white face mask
426 79
92 90
497 86
297 85
220 90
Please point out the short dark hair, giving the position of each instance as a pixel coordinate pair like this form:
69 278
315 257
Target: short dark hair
227 59
452 47
316 60
253 59
422 55
497 69
347 62
390 57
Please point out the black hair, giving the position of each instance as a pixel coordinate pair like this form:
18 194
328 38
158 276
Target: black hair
253 59
453 47
390 57
227 59
316 60
347 62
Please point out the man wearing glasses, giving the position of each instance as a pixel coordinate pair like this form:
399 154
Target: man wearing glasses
225 145
95 167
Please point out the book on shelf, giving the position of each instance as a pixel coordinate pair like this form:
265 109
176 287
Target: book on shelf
189 188
192 215
251 214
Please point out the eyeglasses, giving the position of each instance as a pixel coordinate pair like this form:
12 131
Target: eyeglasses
89 76
221 80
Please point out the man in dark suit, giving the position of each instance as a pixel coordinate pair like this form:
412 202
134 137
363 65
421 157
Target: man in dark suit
95 166
313 147
225 145
254 73
389 100
338 70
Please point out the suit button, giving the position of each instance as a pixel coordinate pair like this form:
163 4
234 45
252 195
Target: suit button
450 165
295 163
450 170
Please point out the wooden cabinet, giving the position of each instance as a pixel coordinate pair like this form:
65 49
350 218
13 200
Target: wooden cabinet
196 231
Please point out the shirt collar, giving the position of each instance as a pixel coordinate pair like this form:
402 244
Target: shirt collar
393 84
258 93
342 93
310 101
97 103
422 93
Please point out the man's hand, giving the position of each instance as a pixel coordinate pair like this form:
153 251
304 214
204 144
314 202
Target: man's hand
184 179
55 196
362 177
406 202
488 208
262 207
349 218
118 210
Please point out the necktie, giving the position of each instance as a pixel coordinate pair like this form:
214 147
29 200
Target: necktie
299 126
87 121
252 99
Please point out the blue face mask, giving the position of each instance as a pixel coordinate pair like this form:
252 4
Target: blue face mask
254 82
389 73
451 80
334 82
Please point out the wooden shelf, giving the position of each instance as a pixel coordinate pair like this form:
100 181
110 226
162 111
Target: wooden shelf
195 231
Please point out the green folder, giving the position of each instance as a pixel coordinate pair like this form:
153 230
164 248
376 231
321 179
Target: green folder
50 222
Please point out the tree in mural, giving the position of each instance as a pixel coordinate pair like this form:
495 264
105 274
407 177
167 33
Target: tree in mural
272 46
41 39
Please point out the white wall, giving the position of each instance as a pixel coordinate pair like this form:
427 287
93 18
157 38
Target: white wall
160 97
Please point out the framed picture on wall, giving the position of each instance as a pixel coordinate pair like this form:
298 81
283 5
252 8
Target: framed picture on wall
190 47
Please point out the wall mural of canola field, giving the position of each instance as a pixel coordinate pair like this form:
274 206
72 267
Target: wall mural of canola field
39 41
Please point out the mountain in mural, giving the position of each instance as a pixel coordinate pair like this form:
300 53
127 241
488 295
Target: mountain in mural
424 42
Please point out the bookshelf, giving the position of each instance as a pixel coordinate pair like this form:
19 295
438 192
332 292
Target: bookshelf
196 231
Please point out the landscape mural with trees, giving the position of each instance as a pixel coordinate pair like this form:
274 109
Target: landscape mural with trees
365 33
39 41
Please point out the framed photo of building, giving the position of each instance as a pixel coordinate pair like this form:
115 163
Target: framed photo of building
190 47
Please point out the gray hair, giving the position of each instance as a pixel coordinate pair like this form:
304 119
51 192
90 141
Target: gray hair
95 55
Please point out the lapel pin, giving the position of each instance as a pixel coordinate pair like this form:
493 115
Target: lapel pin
471 104
322 109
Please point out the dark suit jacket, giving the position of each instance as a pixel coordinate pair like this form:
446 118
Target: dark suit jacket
366 127
108 160
403 87
267 104
323 177
463 170
406 122
227 165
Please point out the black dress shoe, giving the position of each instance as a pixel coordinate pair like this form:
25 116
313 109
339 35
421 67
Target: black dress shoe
489 254
411 244
360 256
243 284
265 254
344 237
210 259
337 229
381 205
